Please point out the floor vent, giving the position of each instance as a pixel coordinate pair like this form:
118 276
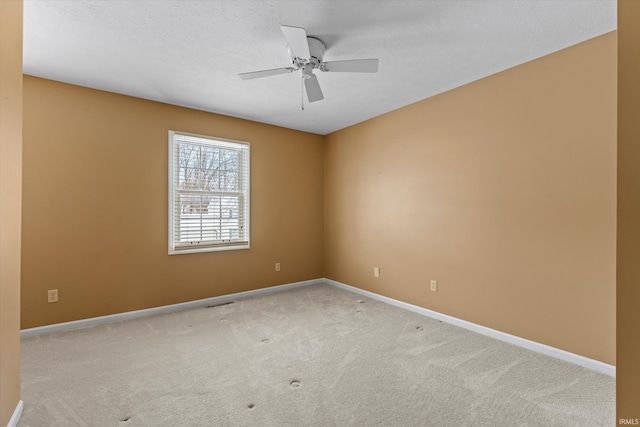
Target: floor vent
219 304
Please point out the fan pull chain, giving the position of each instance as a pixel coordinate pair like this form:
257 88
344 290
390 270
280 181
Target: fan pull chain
302 93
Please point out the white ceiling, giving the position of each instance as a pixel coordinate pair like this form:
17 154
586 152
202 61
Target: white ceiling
188 53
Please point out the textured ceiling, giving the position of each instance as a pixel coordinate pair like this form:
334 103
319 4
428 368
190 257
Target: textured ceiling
188 53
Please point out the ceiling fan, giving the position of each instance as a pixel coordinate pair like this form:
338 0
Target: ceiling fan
306 55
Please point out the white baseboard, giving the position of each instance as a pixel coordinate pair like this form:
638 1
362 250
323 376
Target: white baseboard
592 364
94 321
13 421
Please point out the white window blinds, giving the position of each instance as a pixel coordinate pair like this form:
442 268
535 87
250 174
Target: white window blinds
208 194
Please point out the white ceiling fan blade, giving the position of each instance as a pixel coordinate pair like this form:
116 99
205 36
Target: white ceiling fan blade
351 66
314 93
297 39
265 73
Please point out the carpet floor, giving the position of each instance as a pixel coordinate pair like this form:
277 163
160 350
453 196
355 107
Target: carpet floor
309 356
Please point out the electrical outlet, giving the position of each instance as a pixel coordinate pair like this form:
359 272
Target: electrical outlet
277 266
376 271
52 295
434 286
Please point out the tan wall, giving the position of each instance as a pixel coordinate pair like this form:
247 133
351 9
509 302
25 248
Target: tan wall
95 206
504 191
10 206
628 339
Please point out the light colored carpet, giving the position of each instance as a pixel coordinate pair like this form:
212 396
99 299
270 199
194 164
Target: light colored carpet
311 356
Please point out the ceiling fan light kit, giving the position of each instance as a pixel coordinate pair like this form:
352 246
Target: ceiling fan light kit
307 54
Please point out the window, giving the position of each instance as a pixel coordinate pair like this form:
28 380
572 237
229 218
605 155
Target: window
208 194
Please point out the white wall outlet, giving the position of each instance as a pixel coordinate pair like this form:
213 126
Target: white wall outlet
376 271
434 285
277 266
52 295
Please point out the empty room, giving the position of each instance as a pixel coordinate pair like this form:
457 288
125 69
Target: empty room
325 213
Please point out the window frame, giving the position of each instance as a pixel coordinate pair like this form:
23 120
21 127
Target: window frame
243 194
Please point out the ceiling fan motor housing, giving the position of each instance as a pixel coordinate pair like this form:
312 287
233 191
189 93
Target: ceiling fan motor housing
316 49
